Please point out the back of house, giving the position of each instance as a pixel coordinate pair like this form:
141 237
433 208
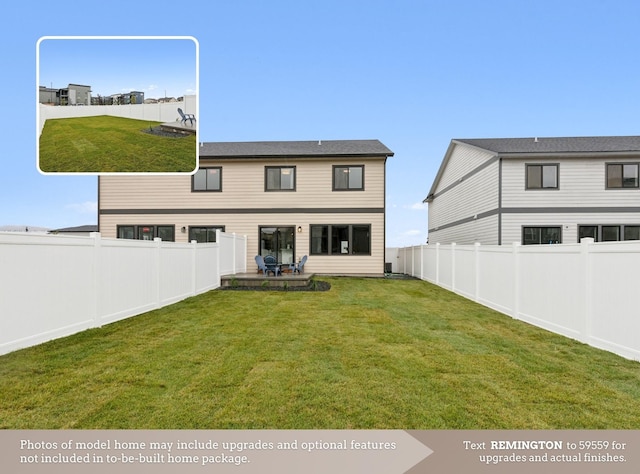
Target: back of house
323 199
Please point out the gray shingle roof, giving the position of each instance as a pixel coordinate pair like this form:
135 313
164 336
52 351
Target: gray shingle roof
315 148
556 144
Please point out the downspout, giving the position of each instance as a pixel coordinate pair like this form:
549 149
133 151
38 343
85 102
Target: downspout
98 219
384 216
500 201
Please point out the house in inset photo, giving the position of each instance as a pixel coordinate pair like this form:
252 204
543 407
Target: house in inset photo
536 191
322 199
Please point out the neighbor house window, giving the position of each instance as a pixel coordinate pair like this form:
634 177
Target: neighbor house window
632 232
280 178
204 234
341 239
588 231
348 178
542 176
609 233
541 235
207 179
146 232
622 175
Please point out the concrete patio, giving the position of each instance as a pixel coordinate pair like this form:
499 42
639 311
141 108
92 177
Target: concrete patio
185 128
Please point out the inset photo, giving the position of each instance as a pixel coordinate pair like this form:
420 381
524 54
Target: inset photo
117 105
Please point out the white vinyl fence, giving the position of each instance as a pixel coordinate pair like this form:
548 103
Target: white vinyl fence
586 291
161 112
53 286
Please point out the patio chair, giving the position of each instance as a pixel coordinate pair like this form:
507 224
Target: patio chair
260 261
298 267
185 117
272 264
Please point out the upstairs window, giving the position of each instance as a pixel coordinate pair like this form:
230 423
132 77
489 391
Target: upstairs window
207 179
622 175
280 178
348 178
542 176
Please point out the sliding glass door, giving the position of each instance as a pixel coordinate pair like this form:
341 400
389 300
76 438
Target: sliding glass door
279 242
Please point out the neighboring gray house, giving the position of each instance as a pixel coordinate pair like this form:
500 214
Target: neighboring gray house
536 191
73 94
83 230
48 95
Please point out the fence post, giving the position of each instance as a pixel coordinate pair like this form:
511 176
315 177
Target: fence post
585 249
516 279
453 266
97 272
194 267
422 262
476 264
218 253
158 270
438 264
413 257
235 270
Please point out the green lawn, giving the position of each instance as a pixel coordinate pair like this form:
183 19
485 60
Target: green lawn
369 353
112 144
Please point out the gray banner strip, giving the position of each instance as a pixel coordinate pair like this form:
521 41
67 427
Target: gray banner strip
319 451
193 451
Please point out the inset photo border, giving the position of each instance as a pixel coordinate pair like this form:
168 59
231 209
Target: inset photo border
117 104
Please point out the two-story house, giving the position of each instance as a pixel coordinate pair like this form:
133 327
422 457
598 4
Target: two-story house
324 199
536 191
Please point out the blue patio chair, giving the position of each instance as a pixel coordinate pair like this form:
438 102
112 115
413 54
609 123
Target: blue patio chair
185 117
272 264
260 261
261 265
298 267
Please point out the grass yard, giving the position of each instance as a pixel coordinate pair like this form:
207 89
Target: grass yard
112 144
369 353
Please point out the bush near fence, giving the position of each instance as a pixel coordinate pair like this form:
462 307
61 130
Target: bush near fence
585 291
53 286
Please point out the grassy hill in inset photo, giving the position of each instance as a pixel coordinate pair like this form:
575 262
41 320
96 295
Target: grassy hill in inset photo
107 144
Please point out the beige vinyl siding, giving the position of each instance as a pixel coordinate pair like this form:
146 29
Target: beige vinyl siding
168 200
581 184
243 187
463 160
248 224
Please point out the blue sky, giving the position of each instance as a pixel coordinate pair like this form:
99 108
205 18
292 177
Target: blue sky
157 66
413 74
